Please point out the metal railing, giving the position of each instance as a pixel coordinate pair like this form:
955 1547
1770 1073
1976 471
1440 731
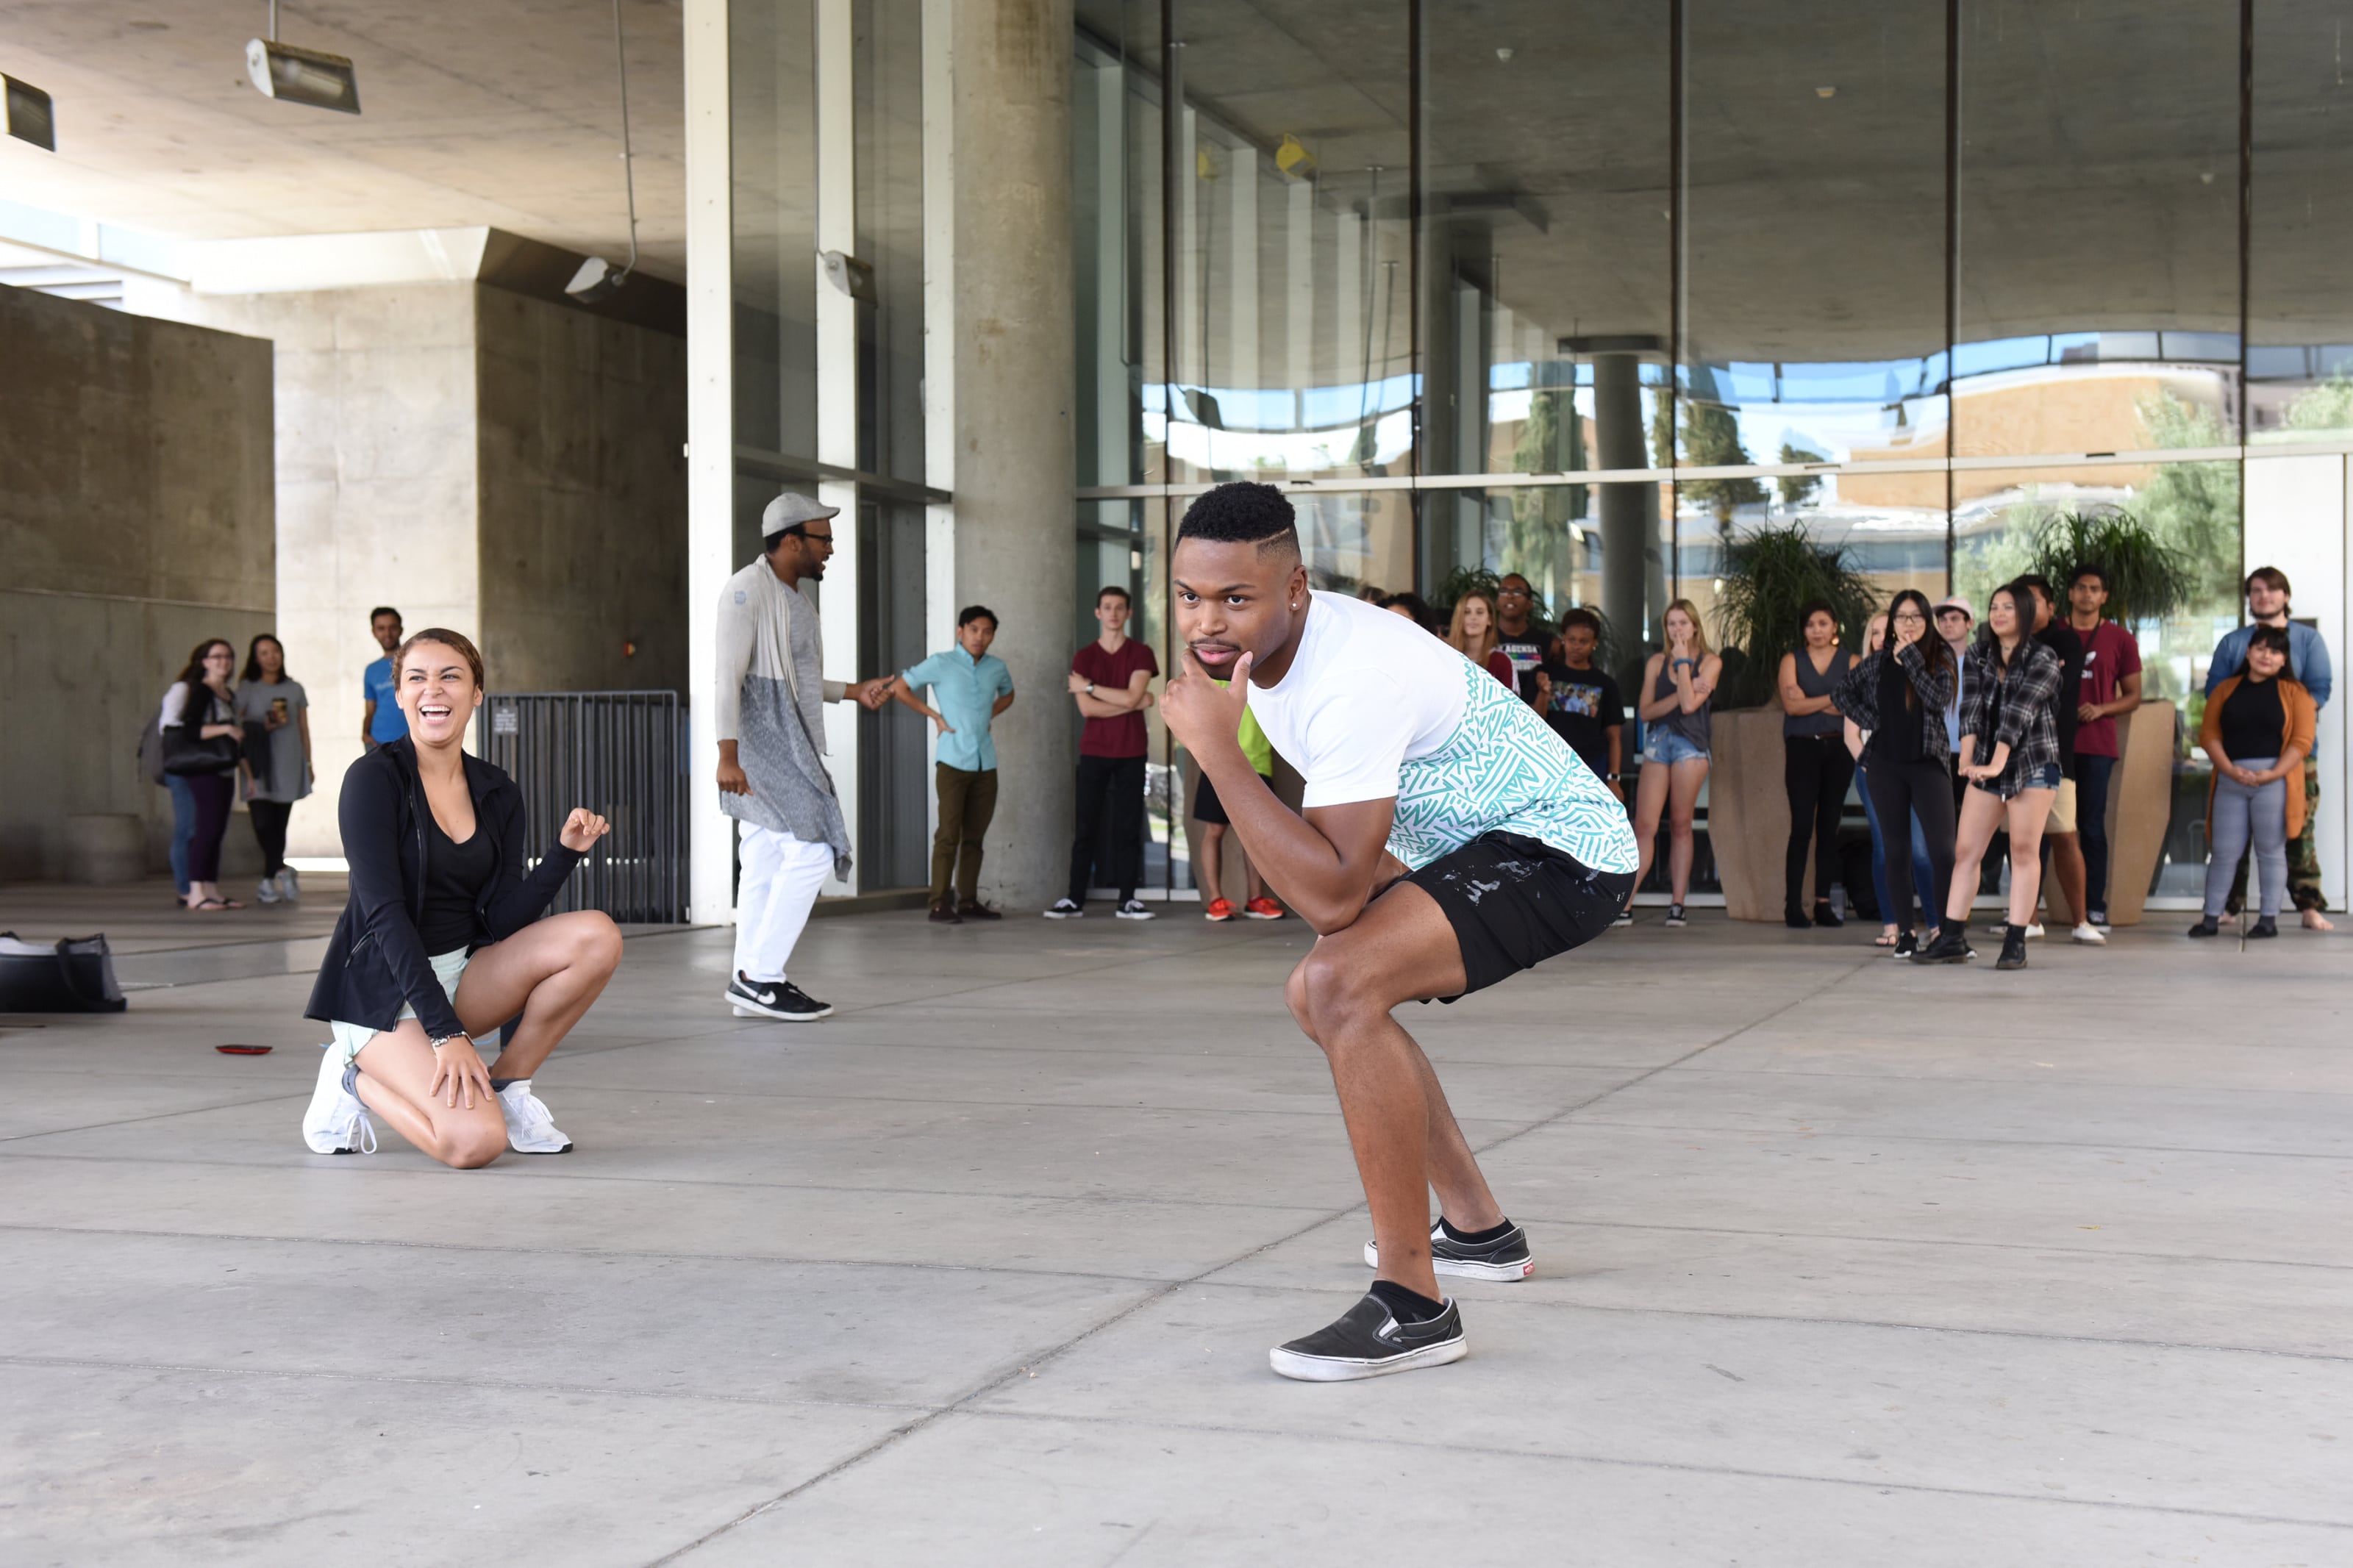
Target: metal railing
622 754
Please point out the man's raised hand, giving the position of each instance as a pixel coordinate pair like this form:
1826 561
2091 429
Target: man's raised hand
1198 714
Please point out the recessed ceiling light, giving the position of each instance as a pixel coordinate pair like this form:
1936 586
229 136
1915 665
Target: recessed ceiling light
1825 92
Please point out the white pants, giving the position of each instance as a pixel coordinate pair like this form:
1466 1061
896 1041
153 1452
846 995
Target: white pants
781 877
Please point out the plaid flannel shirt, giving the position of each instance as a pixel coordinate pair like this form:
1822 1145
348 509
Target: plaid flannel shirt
1857 695
2026 695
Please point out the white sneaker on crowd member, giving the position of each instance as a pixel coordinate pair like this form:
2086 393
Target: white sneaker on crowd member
336 1123
267 890
1064 910
2034 932
530 1129
2090 935
1625 918
289 886
1133 909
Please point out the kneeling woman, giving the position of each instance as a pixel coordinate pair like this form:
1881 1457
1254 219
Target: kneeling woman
442 940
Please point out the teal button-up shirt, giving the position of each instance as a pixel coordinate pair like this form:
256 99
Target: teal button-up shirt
964 690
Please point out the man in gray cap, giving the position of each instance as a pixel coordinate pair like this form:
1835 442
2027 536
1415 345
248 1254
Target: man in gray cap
772 773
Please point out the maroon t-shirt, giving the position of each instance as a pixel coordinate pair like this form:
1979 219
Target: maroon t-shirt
1127 735
2110 653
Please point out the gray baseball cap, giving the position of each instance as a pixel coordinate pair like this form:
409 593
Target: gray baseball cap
791 509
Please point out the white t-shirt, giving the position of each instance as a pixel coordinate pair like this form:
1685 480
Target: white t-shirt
1373 708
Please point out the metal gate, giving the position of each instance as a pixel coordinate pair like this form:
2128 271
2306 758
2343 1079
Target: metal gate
622 754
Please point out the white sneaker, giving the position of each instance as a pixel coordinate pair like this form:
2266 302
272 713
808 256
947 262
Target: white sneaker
2034 933
2090 935
336 1123
1064 910
1133 909
530 1129
267 890
289 886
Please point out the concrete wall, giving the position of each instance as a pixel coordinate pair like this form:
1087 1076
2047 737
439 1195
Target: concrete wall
581 444
477 459
136 517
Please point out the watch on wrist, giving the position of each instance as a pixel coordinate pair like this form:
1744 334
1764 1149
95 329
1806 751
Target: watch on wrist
1091 688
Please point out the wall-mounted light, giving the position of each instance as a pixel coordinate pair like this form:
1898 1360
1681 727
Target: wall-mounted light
28 115
1293 159
300 76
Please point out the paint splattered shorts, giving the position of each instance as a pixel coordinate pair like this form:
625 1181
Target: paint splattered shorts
1514 902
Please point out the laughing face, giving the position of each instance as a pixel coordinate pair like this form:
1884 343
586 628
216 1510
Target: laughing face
439 693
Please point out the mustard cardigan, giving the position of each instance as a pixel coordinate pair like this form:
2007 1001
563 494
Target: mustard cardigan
2303 720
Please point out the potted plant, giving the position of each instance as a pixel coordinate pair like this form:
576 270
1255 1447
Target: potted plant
1769 575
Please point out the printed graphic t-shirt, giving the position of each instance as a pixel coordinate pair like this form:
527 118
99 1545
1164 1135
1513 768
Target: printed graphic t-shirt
1373 707
1526 651
391 724
1127 735
1586 704
2110 654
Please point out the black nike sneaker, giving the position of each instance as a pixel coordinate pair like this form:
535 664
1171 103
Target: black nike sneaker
1504 1257
1367 1340
774 999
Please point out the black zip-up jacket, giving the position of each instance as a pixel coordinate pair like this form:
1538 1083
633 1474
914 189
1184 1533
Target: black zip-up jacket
375 960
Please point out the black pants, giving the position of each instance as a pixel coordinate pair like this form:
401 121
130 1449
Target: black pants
1111 789
2091 776
269 832
1898 789
214 793
1816 769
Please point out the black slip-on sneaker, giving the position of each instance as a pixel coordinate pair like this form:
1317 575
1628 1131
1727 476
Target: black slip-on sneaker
1367 1340
1505 1257
776 999
1948 947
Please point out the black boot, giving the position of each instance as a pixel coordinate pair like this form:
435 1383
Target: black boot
1795 917
2013 948
2208 925
1824 915
1951 946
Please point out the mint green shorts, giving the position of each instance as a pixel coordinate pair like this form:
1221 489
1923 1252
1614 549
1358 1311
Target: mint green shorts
351 1039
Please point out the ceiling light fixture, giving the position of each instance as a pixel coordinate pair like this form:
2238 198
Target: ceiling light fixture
300 76
1293 159
600 279
27 114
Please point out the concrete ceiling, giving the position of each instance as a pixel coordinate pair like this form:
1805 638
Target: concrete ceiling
506 114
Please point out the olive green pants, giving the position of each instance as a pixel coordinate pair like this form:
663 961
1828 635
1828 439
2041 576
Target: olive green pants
967 800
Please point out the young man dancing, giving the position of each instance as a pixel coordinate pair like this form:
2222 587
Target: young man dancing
1448 838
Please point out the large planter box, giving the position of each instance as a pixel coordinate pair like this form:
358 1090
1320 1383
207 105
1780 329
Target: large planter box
1748 811
2141 809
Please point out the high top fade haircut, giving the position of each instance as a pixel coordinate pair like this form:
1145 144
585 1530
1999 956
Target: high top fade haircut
1244 513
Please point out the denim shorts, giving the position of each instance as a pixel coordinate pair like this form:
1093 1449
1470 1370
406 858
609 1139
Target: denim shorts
1667 747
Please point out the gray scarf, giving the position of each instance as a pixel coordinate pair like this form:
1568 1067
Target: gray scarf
791 791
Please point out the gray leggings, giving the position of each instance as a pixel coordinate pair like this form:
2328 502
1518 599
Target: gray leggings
2239 811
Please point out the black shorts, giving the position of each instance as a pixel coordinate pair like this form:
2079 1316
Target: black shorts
1514 902
1208 808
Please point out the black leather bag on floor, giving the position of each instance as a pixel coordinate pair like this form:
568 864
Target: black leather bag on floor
75 976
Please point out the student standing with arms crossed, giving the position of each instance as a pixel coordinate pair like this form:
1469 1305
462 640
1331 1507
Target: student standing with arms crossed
1111 682
971 687
1677 686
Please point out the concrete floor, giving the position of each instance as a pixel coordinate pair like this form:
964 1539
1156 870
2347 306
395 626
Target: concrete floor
984 1269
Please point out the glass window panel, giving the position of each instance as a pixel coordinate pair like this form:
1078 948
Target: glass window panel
1116 160
1998 516
1814 281
771 65
2300 226
2098 247
1293 351
889 119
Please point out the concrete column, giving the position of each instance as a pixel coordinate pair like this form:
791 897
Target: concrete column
1630 512
710 436
1016 455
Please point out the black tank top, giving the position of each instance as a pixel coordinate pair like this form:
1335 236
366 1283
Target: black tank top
456 875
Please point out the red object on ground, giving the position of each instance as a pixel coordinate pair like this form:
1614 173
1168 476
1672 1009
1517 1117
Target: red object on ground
245 1051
